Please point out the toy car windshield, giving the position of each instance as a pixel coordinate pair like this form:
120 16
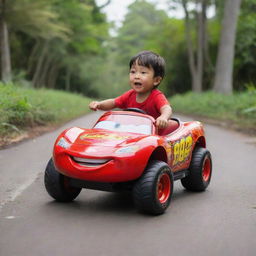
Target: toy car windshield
126 123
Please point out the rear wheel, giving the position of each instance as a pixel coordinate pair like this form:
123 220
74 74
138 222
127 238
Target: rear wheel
152 192
200 171
58 185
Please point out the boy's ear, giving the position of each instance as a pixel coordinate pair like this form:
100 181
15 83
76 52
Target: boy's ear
157 80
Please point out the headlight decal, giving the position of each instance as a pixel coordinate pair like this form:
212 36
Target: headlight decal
63 143
127 150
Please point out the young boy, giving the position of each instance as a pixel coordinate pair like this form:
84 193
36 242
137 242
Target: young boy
146 72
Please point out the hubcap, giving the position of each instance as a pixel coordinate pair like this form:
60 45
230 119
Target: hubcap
206 170
164 188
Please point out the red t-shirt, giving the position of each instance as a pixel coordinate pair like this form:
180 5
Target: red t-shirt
151 105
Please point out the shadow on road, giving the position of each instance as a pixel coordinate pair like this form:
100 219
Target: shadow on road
98 202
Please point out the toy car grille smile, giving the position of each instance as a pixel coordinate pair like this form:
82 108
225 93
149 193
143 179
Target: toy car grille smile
89 162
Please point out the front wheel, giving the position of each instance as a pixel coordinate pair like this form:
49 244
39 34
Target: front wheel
152 192
57 185
200 171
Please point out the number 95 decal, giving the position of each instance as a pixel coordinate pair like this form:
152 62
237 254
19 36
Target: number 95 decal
182 149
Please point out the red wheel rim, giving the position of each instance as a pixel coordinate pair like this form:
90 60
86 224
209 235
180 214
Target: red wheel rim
164 188
207 170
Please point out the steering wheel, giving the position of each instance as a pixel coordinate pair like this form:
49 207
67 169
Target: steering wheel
135 110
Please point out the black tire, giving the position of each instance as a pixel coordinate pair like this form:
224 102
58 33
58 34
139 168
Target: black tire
200 171
57 185
153 191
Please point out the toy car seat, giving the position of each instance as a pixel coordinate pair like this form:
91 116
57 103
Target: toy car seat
173 124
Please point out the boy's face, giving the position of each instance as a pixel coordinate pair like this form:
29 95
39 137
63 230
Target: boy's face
142 78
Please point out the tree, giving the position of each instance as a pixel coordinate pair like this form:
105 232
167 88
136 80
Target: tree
141 30
51 39
30 17
197 52
4 45
245 54
90 31
141 25
223 82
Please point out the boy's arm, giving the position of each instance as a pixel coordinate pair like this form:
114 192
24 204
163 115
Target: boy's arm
162 120
102 105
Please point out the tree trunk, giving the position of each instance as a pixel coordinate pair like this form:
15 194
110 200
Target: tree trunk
53 75
223 82
209 68
191 59
196 66
207 58
200 48
104 5
45 70
39 66
5 47
34 56
67 79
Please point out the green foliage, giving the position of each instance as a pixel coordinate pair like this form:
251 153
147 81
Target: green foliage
142 24
64 44
144 28
147 28
14 108
51 39
90 30
239 108
21 108
35 18
245 59
177 78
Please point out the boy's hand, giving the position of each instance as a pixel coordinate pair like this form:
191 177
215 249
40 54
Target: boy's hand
94 105
102 105
161 122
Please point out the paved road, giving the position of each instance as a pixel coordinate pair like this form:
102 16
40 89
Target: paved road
220 221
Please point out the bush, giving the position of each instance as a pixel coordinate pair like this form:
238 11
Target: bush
239 108
21 108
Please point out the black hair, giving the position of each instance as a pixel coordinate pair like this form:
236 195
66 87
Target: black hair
151 60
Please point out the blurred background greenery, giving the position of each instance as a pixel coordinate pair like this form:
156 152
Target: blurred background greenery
67 45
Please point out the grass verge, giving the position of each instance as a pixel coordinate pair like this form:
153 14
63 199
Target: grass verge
237 110
22 109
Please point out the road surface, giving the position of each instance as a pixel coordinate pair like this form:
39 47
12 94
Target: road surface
219 221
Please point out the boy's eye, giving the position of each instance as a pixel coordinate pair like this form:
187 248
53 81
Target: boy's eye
143 72
132 71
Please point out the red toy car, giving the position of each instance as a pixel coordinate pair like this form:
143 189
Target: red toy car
124 151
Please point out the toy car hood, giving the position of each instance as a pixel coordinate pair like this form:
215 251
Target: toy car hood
99 137
100 143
